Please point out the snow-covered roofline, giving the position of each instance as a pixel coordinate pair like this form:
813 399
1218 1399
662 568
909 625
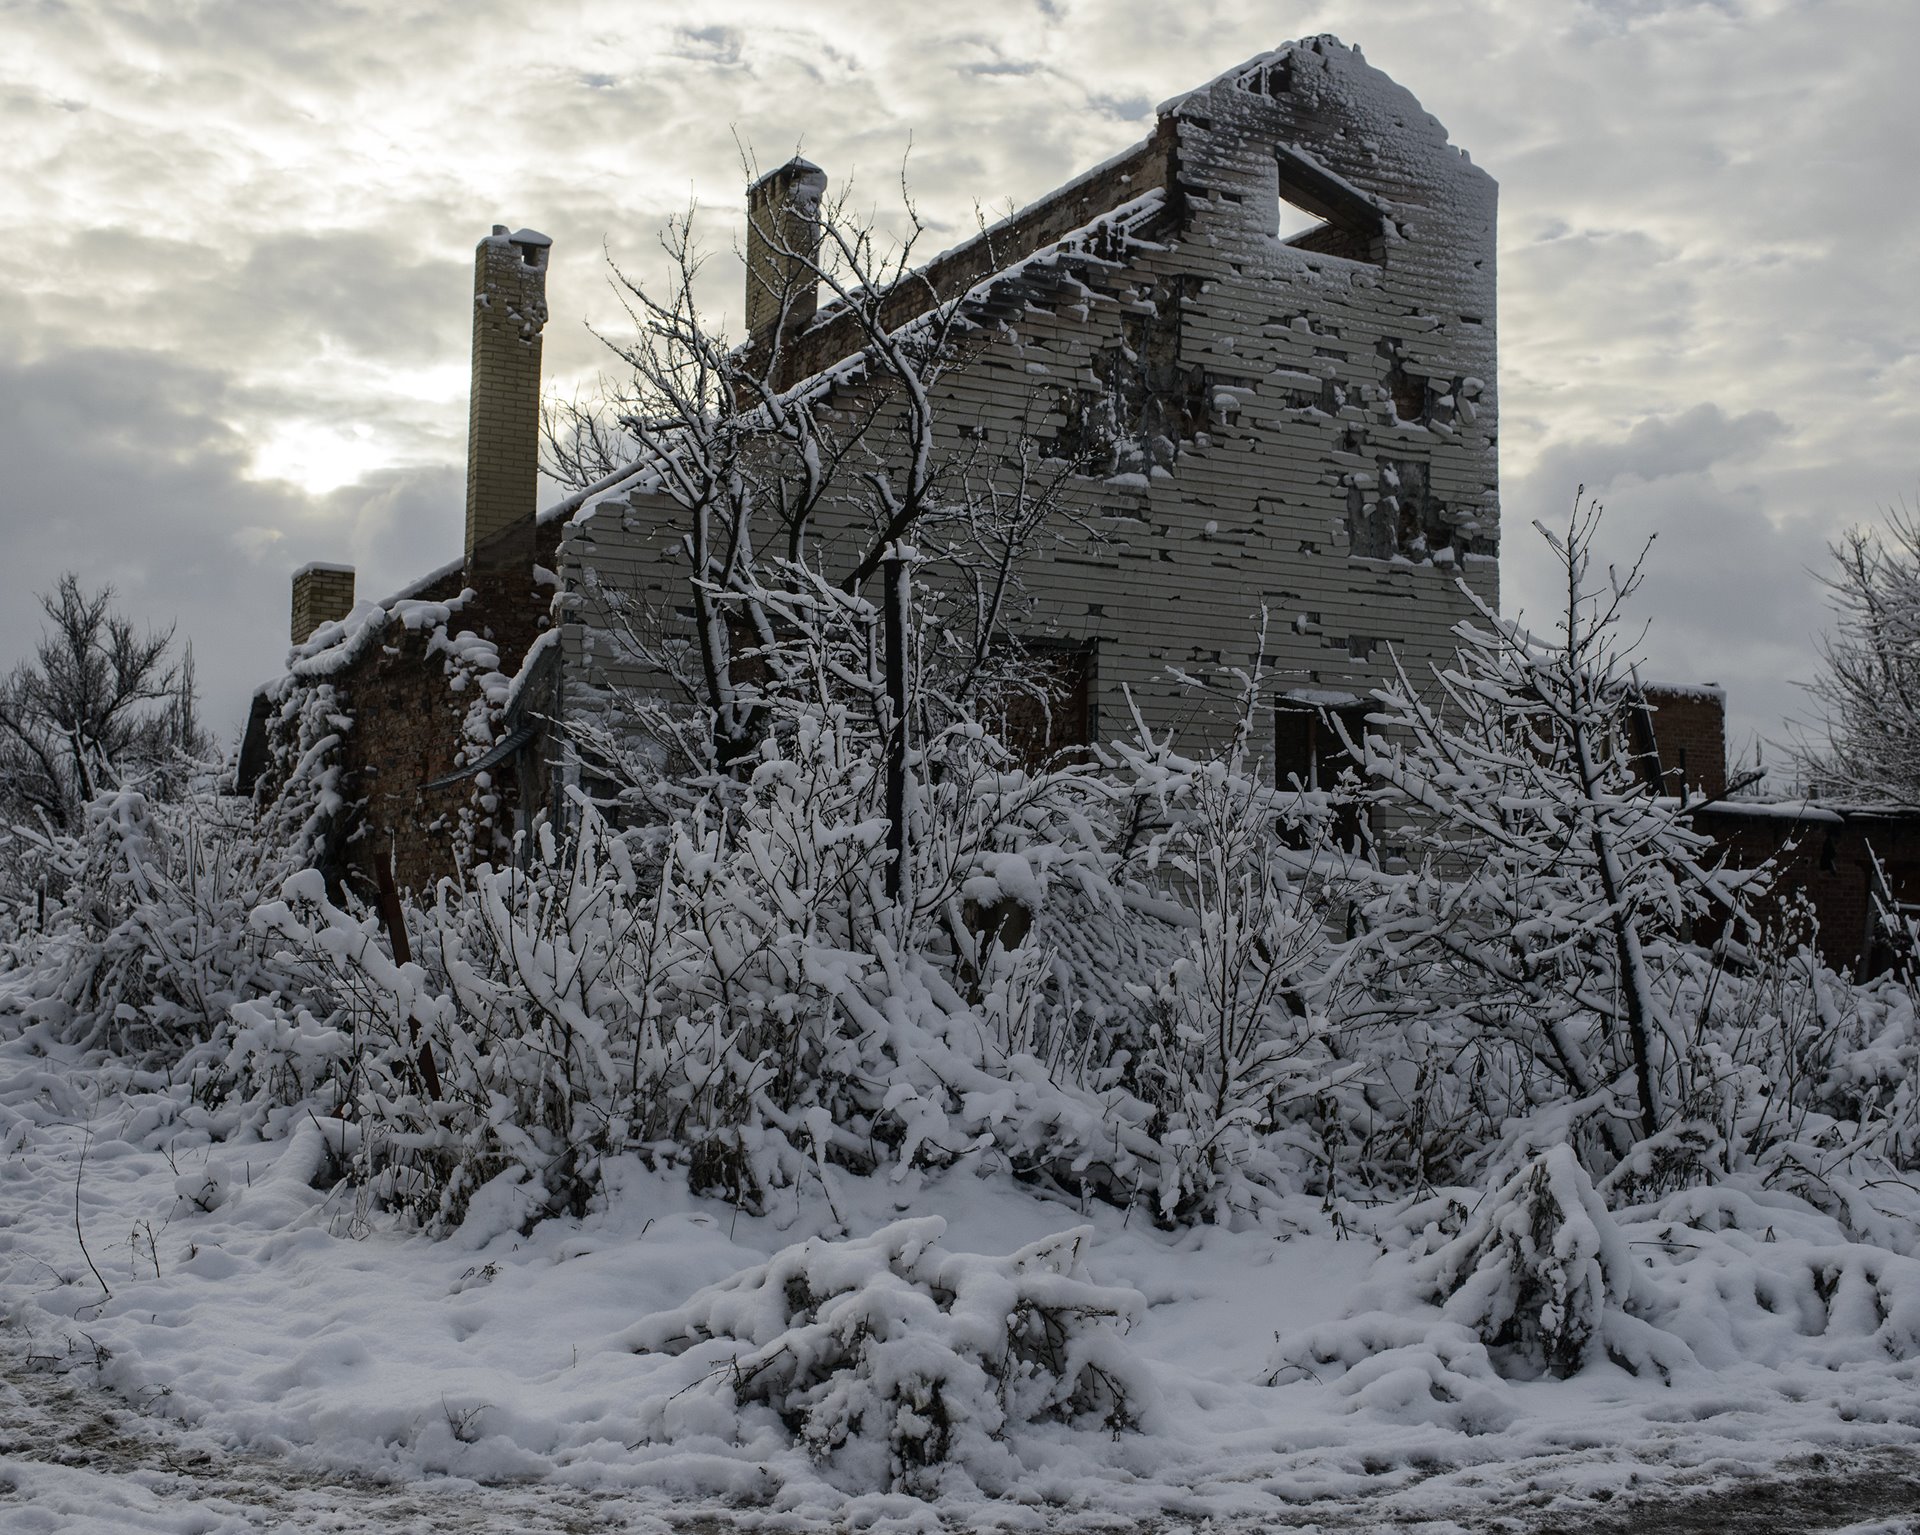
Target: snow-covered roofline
1323 46
1706 692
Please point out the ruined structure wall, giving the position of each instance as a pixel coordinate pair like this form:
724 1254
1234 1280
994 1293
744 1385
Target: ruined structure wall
1690 732
1278 426
409 728
409 698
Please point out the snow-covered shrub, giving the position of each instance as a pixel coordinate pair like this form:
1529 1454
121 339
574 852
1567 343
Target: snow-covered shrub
147 945
1543 1276
1801 1077
303 785
1552 919
1741 1272
898 1363
1233 1046
734 988
1684 1155
1407 1369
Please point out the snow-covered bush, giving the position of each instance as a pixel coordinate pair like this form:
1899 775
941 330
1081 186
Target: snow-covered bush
1233 1047
146 945
898 1363
1744 1272
733 987
1405 1368
1544 1278
1802 1077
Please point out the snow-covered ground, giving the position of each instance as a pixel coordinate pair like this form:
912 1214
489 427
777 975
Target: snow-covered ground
254 1351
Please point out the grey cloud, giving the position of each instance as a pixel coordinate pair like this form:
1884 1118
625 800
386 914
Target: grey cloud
269 301
1001 67
360 290
709 45
1729 595
120 468
1623 13
1660 447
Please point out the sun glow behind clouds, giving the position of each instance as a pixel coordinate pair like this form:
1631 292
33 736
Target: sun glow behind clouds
318 456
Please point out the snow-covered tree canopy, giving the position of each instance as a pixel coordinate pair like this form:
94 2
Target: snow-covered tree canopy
1867 690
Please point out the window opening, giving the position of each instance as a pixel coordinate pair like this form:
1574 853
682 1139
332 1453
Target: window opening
1322 213
1057 714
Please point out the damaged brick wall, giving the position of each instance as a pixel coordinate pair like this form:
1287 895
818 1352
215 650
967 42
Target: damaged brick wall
410 697
1304 425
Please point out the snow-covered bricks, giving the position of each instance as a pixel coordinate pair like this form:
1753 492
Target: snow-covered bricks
418 688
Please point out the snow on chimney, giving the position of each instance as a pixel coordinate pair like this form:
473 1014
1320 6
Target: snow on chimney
321 594
503 413
783 235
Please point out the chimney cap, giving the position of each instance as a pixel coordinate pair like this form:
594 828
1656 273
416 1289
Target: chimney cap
796 166
524 238
317 567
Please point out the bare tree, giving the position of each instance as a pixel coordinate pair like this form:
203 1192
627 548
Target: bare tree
1867 693
99 706
791 494
1555 891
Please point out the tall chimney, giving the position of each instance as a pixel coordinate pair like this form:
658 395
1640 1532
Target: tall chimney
321 594
783 225
503 413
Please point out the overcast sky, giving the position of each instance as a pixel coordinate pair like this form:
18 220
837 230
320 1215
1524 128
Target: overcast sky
234 312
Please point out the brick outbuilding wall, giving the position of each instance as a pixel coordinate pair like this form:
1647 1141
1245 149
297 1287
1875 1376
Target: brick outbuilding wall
414 699
410 728
1690 730
1827 854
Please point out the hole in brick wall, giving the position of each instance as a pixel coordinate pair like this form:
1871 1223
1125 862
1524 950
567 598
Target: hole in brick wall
1321 213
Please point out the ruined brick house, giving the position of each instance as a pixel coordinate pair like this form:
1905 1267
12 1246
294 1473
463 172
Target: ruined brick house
1266 333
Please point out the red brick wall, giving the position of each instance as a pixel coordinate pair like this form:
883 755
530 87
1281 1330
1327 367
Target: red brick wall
1827 856
1690 730
409 725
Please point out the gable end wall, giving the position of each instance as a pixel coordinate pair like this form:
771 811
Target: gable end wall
1289 391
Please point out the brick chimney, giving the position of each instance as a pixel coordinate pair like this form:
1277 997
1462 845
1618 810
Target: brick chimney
783 222
503 413
321 594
